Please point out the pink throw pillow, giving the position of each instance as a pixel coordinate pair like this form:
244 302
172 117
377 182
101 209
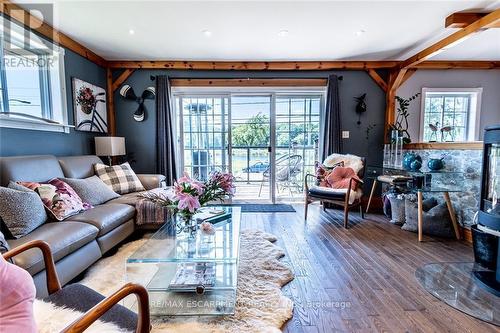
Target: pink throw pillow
340 177
321 172
58 198
17 294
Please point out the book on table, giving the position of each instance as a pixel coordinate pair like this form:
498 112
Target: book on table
191 275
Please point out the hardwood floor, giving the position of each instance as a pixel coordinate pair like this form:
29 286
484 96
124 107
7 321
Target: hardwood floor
361 279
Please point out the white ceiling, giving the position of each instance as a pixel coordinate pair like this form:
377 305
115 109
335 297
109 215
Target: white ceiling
249 30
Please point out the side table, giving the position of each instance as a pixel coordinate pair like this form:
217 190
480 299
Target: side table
443 181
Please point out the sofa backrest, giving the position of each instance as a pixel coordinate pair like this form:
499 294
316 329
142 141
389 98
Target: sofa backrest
35 168
78 166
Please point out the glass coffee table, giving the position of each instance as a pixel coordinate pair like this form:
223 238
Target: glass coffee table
189 273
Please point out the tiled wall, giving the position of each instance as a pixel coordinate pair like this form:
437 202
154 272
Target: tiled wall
469 162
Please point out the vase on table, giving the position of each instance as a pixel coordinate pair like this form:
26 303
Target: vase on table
185 222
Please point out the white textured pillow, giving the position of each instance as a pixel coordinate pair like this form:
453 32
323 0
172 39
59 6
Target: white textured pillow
350 161
120 178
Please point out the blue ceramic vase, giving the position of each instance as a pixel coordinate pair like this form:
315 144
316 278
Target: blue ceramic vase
409 158
435 164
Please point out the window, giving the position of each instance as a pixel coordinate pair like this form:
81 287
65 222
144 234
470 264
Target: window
450 115
31 81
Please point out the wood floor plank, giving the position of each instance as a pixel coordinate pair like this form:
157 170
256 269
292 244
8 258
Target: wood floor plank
370 266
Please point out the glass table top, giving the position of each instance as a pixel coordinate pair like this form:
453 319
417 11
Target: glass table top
168 245
423 170
454 284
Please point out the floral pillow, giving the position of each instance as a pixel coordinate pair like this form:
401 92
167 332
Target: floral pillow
58 198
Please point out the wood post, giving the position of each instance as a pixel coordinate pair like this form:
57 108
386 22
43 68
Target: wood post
111 104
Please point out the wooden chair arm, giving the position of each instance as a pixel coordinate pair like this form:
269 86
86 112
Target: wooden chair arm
53 284
143 321
306 185
359 181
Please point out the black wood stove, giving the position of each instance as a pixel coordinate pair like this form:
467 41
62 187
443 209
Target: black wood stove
486 233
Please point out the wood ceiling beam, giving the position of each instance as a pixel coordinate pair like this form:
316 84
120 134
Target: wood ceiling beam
249 82
299 65
483 23
461 20
378 80
450 64
23 17
253 65
407 75
122 78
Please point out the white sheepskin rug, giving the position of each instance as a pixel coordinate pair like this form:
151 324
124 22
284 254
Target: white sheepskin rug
51 318
350 161
260 304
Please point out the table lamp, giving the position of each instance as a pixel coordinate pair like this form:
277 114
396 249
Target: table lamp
109 146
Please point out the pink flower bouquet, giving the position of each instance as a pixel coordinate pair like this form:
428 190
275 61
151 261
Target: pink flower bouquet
189 194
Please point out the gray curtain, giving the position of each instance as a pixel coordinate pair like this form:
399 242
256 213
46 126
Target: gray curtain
331 136
165 131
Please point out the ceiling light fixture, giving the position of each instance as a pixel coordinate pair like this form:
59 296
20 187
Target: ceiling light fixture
359 32
131 31
283 33
207 32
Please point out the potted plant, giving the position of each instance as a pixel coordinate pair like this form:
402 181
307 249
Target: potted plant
401 123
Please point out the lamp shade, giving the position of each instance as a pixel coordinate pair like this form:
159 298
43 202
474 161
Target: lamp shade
109 146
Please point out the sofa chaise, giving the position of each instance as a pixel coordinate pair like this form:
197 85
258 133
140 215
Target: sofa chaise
81 239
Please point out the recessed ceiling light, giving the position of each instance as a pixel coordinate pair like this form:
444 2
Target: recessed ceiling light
283 33
131 31
359 32
207 32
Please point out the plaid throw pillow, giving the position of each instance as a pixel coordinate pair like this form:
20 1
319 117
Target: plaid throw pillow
120 178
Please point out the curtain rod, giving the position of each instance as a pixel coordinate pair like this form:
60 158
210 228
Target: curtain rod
341 77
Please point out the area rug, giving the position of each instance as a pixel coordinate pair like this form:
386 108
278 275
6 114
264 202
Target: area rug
260 304
264 208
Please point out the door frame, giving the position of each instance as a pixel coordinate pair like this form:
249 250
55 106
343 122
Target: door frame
229 92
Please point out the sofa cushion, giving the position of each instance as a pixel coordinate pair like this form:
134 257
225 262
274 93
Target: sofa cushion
91 190
120 178
106 217
21 209
63 237
129 198
328 193
78 166
4 246
37 168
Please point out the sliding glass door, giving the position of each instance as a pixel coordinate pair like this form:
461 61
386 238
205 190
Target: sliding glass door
251 146
203 131
269 141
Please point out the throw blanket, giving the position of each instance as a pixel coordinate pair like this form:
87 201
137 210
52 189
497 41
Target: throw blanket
150 213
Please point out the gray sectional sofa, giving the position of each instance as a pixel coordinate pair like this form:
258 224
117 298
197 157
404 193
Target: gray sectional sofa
82 239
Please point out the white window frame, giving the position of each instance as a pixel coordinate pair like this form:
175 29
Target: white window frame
7 121
473 115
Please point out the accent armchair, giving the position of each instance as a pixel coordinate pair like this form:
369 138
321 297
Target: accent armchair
81 298
343 198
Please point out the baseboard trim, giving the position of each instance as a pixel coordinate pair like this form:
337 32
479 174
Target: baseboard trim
466 235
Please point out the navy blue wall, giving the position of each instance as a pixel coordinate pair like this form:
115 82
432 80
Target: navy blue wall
29 142
140 136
